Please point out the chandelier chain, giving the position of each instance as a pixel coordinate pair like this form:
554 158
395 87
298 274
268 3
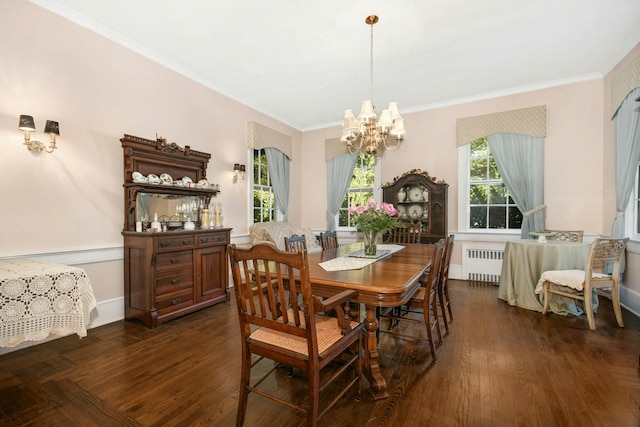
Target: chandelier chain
371 66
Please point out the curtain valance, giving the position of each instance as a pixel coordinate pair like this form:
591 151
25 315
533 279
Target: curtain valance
623 83
333 148
260 136
527 121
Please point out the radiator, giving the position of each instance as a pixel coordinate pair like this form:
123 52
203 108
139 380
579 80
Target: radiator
481 264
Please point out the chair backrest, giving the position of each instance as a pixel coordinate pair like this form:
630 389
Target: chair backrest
446 260
433 278
566 235
295 243
410 234
329 240
261 278
604 257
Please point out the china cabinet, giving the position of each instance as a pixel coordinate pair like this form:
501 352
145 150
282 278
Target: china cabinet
420 199
182 267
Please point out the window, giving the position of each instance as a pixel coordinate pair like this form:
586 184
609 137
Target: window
364 181
263 197
489 202
632 214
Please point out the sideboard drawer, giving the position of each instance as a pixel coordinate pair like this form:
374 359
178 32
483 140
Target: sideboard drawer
174 301
171 260
212 239
175 242
172 280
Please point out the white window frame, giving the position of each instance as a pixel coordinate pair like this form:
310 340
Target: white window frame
632 214
377 191
464 210
278 216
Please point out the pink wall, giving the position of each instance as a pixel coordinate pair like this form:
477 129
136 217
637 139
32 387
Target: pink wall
573 153
99 90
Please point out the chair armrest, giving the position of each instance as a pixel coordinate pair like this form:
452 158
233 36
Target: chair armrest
334 303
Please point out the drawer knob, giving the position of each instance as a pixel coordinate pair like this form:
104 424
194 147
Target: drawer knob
165 243
186 242
175 260
205 240
175 281
176 301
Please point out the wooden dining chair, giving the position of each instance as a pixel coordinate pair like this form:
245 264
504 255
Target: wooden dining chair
329 240
423 303
566 235
297 337
602 272
444 301
410 234
295 243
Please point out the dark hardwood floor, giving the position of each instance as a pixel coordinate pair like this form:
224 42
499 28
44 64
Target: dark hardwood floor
500 366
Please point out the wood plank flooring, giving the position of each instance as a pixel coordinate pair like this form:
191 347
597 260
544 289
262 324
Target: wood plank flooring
500 366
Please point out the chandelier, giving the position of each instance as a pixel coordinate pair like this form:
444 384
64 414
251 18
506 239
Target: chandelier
364 134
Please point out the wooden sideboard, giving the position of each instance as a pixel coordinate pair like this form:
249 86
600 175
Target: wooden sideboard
170 273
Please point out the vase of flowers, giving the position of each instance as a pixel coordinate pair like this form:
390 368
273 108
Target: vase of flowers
371 219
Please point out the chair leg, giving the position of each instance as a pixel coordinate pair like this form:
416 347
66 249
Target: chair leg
428 323
615 300
443 308
448 301
314 398
245 377
545 297
436 320
588 307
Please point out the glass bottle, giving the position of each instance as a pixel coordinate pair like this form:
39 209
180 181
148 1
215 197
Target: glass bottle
217 215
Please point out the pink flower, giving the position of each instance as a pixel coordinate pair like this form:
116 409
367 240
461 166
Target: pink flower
361 209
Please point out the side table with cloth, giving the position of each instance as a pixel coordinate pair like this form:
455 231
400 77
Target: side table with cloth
39 299
524 262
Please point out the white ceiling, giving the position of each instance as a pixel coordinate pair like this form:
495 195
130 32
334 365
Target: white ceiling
304 62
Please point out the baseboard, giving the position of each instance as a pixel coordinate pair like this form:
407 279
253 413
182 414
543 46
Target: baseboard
630 300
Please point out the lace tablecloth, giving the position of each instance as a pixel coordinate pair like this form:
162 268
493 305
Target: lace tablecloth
39 299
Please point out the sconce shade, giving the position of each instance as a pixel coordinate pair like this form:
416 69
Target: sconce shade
243 168
236 167
52 127
27 123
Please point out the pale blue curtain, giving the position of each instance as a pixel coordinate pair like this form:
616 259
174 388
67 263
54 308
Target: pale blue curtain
627 154
339 173
278 165
520 161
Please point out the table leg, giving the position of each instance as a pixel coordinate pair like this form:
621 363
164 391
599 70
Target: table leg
378 388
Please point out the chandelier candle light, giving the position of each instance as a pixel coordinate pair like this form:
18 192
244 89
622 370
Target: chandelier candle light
364 133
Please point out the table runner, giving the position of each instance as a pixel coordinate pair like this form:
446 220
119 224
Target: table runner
354 263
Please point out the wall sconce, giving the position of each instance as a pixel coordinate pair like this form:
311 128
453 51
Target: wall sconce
238 172
26 124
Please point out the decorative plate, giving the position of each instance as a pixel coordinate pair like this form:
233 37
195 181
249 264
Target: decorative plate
415 195
402 211
415 211
186 180
203 183
153 179
138 177
166 179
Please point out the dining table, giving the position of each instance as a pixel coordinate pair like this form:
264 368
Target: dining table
39 299
523 263
389 281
